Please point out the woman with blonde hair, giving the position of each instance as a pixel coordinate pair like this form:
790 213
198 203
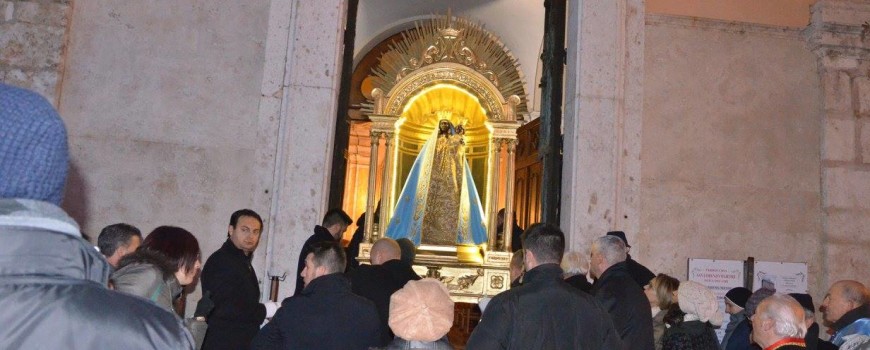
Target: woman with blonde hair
662 295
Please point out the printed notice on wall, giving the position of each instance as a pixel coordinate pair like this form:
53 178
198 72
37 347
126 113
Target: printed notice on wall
783 276
720 276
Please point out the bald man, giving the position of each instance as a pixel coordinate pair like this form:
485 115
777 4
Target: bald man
846 309
378 281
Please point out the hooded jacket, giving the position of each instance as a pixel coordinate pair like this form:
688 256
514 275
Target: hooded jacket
148 274
53 292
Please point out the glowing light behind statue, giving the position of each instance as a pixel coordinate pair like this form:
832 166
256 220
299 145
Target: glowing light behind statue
439 204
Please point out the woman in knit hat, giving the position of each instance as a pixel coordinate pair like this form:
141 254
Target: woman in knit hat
695 331
421 314
735 305
662 295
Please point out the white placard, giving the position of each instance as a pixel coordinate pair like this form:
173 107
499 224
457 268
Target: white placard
783 276
720 276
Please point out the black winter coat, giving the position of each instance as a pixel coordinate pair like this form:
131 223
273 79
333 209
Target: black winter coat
237 314
690 335
326 315
638 272
544 313
321 234
623 298
378 283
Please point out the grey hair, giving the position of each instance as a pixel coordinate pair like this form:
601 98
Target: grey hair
612 248
787 314
574 263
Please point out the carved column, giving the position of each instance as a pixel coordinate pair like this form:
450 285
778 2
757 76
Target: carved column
382 125
373 173
509 195
495 155
386 184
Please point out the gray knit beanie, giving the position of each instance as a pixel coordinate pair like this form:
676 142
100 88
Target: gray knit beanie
33 147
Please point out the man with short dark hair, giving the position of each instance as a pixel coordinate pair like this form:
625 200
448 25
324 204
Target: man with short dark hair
620 294
545 312
378 281
847 308
325 315
118 240
638 272
54 292
334 223
229 280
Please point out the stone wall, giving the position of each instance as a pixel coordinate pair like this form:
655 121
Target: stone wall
161 102
32 40
730 146
838 37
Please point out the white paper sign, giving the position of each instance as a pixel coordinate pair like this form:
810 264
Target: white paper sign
720 276
784 277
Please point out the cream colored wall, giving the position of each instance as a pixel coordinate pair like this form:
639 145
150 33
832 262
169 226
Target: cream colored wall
730 150
787 13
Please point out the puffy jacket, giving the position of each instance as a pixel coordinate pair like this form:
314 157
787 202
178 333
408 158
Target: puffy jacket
53 292
147 274
628 306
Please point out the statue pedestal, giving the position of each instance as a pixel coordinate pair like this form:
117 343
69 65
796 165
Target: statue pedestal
467 281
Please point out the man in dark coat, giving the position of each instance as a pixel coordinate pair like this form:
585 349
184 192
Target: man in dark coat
544 312
326 315
53 293
620 295
638 272
334 223
378 281
230 280
812 337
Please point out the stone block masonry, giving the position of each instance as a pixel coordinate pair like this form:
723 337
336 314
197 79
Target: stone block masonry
32 40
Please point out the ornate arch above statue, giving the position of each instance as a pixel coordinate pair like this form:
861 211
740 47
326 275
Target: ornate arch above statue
455 51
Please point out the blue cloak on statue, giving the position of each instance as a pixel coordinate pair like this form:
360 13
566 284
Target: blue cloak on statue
439 204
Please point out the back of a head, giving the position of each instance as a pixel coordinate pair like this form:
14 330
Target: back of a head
517 260
612 248
34 156
409 250
546 242
336 216
664 287
329 255
176 243
115 236
574 263
421 311
787 313
385 249
696 299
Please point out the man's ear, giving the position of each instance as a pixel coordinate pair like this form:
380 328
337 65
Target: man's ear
229 230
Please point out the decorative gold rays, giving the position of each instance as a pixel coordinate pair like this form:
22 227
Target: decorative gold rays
451 39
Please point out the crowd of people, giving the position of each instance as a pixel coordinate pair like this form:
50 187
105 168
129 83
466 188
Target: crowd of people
59 291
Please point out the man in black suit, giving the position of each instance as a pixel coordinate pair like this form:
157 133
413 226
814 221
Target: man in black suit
334 223
377 282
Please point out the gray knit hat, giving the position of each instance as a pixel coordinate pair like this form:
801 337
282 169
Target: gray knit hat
34 157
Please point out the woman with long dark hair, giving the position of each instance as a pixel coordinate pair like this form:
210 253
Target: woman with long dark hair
168 259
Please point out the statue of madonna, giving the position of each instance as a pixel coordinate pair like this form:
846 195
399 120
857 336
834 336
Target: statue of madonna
439 204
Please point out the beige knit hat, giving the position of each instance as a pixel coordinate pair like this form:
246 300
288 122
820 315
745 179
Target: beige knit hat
698 300
421 311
